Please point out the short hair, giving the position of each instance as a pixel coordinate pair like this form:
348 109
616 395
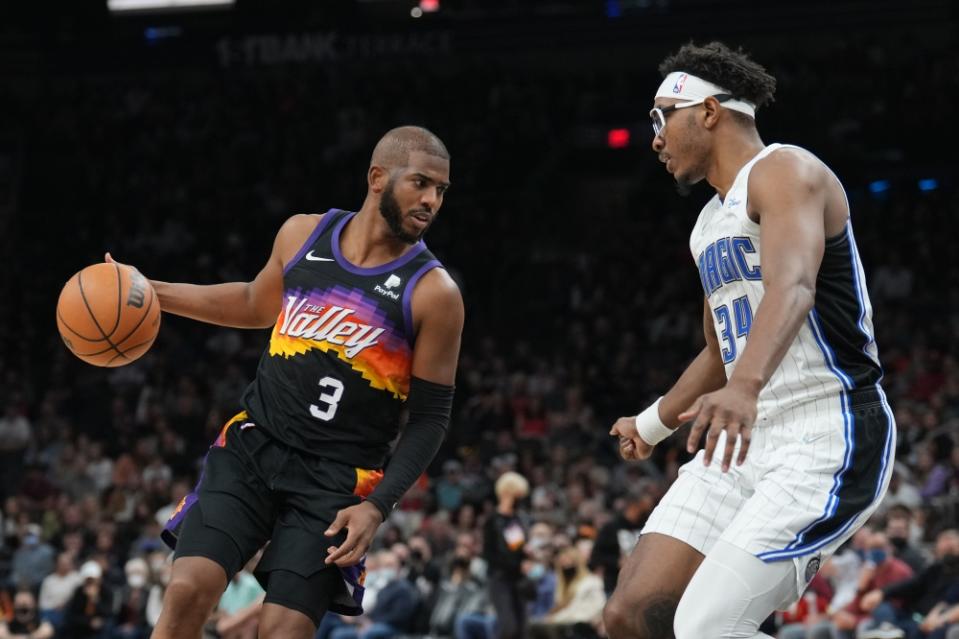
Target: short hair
732 70
949 533
899 511
515 483
394 148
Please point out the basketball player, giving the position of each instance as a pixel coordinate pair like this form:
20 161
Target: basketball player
799 436
365 321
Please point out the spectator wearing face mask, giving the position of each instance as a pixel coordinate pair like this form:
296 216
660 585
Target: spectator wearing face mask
538 569
579 601
879 569
934 589
26 622
843 568
422 570
458 595
90 610
131 620
32 561
899 532
395 608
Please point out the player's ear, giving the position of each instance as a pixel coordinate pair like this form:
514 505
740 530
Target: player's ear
710 112
377 178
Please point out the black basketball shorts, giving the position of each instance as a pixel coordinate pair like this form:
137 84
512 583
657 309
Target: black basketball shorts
254 489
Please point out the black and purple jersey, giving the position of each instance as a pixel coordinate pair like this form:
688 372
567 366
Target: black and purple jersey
336 373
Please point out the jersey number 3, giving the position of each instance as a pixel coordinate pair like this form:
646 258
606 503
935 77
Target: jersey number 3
740 322
330 399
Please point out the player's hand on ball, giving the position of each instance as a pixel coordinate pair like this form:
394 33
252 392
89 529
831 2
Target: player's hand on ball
109 260
731 409
361 522
631 445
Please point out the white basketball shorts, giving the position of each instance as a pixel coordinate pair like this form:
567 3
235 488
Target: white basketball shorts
813 475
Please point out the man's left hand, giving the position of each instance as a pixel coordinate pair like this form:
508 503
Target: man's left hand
631 445
731 409
361 522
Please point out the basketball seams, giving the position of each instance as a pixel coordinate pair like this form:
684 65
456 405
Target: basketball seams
116 324
94 317
78 354
70 328
124 352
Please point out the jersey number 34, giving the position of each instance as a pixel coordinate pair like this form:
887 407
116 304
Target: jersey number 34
733 326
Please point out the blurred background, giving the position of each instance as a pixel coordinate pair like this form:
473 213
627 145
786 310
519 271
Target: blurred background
181 138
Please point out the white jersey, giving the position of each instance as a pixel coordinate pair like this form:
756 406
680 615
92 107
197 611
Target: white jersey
834 350
821 457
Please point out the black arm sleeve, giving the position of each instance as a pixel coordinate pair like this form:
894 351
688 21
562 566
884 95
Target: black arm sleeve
430 406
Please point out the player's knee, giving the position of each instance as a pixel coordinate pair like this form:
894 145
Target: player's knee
697 619
277 622
184 594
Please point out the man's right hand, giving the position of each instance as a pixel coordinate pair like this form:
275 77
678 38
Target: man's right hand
631 445
870 600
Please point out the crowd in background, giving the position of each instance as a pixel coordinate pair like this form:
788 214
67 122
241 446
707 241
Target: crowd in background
577 313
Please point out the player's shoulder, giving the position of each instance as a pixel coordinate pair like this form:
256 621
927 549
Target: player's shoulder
437 292
293 233
439 285
297 228
788 164
301 222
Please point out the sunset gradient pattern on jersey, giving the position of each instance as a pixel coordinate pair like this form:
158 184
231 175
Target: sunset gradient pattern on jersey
366 481
345 322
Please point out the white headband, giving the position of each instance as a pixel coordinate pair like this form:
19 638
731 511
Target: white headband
686 86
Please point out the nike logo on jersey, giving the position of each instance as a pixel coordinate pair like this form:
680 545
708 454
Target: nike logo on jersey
329 324
314 258
809 438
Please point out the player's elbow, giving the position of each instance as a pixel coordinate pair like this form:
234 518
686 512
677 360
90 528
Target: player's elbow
805 296
258 314
798 296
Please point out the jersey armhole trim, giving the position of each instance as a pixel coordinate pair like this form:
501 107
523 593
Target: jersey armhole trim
320 227
408 297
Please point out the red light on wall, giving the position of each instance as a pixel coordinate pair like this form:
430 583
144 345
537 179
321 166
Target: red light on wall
430 6
617 138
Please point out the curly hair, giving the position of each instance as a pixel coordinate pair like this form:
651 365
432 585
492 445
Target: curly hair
732 70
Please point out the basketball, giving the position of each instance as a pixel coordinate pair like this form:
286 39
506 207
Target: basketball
108 314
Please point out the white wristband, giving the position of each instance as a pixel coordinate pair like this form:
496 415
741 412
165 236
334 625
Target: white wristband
650 427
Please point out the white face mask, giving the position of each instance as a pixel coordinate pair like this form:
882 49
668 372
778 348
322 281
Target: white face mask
137 580
388 574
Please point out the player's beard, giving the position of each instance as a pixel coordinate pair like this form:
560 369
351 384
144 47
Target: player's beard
391 212
683 187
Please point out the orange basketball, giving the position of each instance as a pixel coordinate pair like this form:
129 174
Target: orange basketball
108 314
